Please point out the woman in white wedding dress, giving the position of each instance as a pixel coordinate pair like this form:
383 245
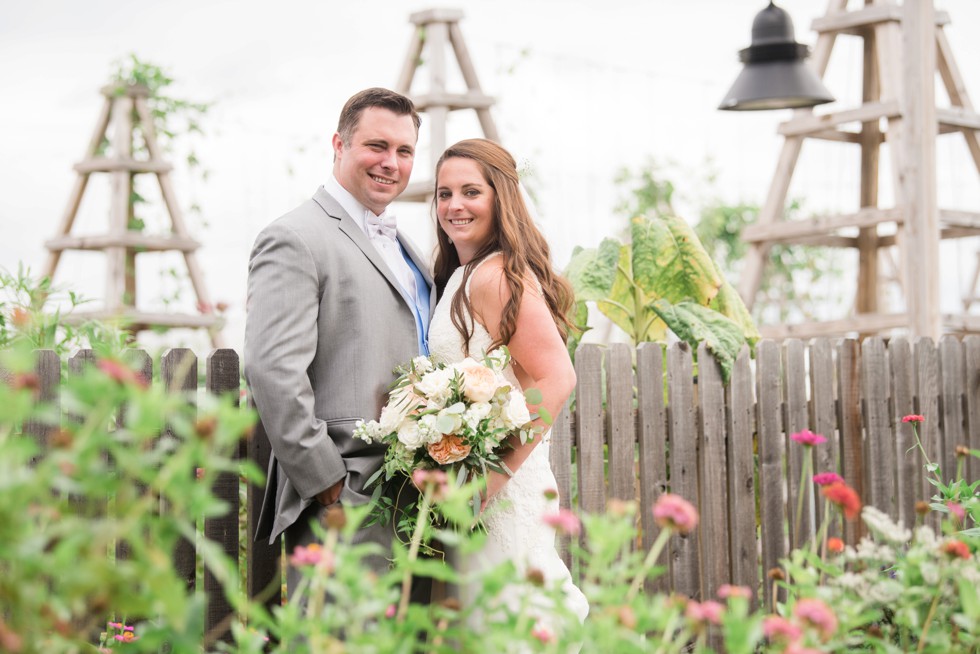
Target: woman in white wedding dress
496 287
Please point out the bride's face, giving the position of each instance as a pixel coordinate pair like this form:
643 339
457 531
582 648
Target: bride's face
464 205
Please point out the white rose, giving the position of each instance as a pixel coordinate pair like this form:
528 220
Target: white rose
435 386
479 382
391 416
476 412
515 413
409 435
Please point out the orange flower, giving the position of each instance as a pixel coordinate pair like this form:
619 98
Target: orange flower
449 450
845 497
956 549
835 545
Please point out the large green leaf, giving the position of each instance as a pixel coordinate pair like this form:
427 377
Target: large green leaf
695 323
592 271
670 262
729 303
619 305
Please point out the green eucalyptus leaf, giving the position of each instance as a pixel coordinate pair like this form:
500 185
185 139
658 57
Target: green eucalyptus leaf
533 396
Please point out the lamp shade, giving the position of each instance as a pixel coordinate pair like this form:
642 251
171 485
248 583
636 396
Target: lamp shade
776 75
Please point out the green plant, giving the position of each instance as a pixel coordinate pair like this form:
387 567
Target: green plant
116 474
662 278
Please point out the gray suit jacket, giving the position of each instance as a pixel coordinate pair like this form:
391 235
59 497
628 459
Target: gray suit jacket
327 322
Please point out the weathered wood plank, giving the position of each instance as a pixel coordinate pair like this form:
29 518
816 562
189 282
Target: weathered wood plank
823 415
851 439
651 427
927 385
142 364
772 447
47 368
909 466
683 437
561 464
178 369
223 379
621 425
741 477
589 429
971 344
953 376
879 443
797 417
712 475
264 573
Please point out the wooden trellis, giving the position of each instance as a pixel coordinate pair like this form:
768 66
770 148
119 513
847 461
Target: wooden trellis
904 47
435 30
125 110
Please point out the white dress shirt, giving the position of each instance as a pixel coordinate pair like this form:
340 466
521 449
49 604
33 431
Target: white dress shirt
384 239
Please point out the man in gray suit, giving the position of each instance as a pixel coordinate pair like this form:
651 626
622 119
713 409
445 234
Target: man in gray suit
337 298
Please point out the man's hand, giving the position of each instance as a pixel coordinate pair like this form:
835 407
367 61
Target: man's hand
330 495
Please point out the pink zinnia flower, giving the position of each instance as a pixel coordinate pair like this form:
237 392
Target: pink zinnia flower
957 511
565 522
776 627
542 633
705 612
914 418
808 438
818 615
826 478
729 590
116 625
674 512
311 554
390 611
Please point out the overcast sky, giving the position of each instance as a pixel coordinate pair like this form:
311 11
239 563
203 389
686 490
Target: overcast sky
583 89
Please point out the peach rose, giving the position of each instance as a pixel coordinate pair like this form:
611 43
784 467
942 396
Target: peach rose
479 382
449 450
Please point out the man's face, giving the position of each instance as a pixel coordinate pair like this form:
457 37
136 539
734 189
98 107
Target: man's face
375 166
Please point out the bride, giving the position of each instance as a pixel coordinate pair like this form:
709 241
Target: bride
496 287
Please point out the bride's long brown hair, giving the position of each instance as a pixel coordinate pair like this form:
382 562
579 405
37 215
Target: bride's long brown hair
514 234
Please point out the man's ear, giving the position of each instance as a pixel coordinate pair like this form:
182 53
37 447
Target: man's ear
338 144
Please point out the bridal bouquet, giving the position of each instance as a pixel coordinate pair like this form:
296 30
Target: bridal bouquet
441 416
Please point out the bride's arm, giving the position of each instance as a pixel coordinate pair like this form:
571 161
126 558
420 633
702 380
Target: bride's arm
539 355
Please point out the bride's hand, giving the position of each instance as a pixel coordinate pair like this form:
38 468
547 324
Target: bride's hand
495 482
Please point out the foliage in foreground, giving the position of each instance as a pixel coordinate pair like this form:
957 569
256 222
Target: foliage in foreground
89 524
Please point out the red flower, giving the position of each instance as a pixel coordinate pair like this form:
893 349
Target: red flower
120 372
956 549
845 497
674 512
808 438
826 478
914 418
835 545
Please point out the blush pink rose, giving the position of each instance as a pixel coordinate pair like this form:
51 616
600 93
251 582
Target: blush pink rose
479 382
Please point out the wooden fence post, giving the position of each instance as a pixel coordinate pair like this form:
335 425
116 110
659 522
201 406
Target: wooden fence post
683 443
651 431
741 478
178 369
223 378
712 476
772 447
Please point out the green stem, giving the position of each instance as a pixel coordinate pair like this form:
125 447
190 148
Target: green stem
918 443
931 614
648 563
800 492
413 551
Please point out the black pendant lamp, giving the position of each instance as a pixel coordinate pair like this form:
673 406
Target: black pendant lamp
775 74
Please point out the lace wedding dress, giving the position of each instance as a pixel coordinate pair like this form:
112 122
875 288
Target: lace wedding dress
513 517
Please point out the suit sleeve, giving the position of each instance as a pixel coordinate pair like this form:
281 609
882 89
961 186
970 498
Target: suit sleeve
280 344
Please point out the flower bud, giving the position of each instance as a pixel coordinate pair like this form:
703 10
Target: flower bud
776 574
922 508
535 577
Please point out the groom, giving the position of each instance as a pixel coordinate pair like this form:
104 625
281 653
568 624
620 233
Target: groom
337 298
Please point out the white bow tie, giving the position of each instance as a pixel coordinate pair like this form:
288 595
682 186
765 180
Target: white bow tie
383 225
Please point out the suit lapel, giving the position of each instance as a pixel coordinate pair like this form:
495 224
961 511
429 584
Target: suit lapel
354 232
